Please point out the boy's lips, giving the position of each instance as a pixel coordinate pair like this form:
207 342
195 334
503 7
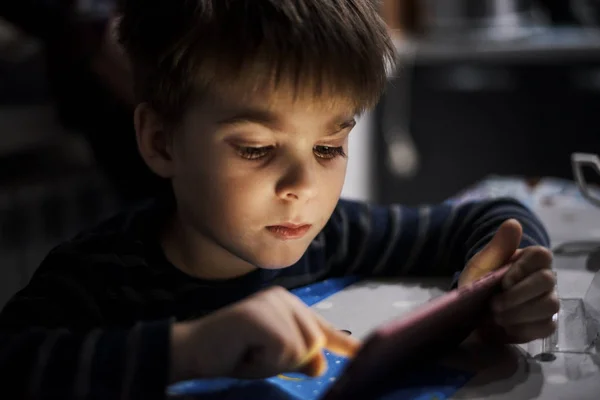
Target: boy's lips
289 231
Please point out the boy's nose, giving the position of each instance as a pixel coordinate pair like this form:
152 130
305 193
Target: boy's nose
298 183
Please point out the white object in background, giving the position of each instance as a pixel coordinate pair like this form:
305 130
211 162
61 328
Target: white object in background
360 182
403 157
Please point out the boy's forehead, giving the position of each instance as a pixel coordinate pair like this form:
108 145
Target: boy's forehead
281 100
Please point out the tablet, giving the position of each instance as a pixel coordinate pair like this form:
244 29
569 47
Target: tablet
426 334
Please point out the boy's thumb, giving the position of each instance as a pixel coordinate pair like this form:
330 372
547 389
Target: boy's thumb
495 254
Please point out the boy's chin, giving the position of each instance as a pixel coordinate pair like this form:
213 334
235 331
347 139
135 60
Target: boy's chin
274 256
278 262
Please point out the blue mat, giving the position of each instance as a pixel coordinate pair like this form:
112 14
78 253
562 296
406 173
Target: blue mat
435 383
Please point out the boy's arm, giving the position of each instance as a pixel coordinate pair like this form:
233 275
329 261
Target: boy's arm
50 347
436 240
41 363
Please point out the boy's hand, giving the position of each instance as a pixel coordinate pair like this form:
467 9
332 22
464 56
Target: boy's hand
269 333
523 311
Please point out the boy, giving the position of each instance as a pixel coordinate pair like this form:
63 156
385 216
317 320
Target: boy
245 106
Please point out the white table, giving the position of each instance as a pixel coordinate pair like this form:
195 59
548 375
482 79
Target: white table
513 374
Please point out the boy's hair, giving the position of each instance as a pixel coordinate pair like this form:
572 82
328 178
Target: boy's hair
180 49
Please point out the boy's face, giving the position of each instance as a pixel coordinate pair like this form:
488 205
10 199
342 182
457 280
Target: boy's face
257 178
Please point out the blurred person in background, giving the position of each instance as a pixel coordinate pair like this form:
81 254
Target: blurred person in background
90 82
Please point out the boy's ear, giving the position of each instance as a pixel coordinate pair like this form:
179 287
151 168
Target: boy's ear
153 140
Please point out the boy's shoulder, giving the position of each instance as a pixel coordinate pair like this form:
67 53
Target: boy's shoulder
119 240
99 276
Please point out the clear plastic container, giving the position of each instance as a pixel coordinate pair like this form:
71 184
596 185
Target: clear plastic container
578 323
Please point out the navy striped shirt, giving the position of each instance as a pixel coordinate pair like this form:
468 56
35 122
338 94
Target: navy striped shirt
94 320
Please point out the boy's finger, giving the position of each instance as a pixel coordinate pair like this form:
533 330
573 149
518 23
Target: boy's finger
496 253
516 256
342 344
311 332
338 342
532 260
535 311
314 363
527 332
533 286
316 366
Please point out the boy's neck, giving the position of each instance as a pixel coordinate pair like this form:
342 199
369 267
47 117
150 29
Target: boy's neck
199 256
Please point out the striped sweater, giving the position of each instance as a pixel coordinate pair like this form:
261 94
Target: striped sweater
94 320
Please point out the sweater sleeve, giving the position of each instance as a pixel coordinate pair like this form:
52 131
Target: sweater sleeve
53 344
438 240
41 363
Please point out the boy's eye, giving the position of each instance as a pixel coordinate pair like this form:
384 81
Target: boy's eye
258 153
328 152
253 153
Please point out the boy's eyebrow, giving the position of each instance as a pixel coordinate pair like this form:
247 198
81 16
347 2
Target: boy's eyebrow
269 118
344 123
341 123
254 115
